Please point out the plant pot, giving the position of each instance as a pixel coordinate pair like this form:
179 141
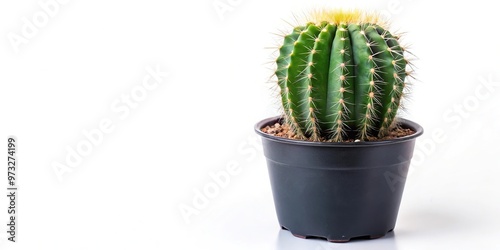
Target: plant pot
337 191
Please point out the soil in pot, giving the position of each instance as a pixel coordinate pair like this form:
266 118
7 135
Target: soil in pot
283 131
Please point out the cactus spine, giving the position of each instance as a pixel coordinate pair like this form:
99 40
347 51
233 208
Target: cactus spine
341 77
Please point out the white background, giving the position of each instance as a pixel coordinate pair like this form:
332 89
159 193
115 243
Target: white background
86 56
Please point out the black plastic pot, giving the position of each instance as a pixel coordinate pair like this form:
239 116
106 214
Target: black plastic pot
337 191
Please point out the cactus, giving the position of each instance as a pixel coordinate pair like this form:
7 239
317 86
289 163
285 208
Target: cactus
341 76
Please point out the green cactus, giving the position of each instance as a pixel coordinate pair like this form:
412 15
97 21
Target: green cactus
341 77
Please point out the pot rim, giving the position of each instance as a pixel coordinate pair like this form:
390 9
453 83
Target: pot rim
403 122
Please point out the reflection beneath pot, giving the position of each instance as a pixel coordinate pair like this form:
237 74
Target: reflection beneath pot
286 241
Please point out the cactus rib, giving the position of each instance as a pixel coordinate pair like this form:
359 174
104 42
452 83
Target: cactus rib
340 86
365 92
283 63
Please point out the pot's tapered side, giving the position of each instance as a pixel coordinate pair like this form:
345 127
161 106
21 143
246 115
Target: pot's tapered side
338 191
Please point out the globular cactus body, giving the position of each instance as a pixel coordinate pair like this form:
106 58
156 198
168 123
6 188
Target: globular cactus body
341 79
